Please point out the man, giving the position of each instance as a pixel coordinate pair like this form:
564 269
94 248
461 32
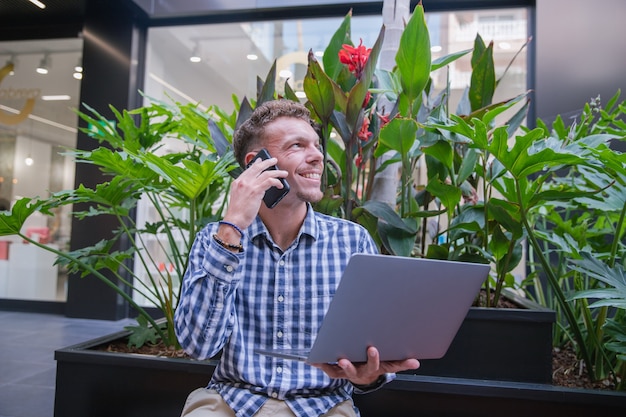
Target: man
264 277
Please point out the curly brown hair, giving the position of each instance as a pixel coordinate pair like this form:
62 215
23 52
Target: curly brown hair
251 133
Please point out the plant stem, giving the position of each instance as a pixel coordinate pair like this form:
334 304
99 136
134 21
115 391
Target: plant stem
616 238
104 279
552 279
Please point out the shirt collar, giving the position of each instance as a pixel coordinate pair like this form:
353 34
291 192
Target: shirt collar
309 227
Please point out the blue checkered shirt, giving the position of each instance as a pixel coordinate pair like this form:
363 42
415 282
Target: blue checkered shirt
267 298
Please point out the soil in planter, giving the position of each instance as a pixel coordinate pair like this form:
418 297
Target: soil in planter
567 371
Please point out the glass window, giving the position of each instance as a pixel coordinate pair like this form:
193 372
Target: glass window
36 125
208 64
229 57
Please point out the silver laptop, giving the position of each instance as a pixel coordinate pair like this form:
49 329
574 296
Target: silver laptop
405 307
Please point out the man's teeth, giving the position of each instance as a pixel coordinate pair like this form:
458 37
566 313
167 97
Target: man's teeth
312 176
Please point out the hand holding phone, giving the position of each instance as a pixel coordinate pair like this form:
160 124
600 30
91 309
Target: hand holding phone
274 194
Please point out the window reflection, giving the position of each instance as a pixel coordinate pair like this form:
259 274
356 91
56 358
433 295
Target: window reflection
226 67
36 125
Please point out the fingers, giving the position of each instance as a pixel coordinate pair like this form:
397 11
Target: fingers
264 177
359 373
397 366
365 373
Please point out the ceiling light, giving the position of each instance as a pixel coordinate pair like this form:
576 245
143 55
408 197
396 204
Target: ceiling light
252 56
11 62
29 160
195 55
285 73
43 65
436 48
38 4
78 70
58 97
504 45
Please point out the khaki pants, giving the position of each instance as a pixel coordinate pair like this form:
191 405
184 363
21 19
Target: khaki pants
208 403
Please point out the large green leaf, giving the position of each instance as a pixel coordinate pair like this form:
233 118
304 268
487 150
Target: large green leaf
521 162
388 215
268 91
320 90
443 152
468 165
11 222
332 65
192 178
117 163
397 241
398 135
483 80
113 194
447 59
449 195
506 214
614 277
414 57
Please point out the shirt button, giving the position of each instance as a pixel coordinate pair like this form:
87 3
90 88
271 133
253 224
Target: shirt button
229 268
281 298
279 334
274 395
279 370
281 263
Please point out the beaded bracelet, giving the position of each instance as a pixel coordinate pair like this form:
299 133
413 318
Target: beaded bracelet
379 381
233 225
238 248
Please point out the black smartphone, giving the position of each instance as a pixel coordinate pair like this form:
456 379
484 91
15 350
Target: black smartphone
274 194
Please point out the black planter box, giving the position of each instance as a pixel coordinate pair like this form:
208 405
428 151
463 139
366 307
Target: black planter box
428 396
94 383
504 344
103 384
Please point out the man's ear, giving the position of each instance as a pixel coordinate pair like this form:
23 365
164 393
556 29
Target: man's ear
249 157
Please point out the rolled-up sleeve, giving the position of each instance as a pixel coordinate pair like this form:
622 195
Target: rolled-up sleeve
205 313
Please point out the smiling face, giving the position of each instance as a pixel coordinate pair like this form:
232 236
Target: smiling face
296 145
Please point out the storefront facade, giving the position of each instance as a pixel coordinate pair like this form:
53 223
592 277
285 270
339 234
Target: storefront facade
125 47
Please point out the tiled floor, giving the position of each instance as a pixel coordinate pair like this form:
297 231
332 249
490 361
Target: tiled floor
27 365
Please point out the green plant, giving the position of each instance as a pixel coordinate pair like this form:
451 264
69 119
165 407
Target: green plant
489 188
162 153
608 292
590 224
344 98
566 195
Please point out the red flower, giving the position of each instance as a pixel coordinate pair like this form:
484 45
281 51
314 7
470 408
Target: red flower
384 119
368 96
364 133
359 160
355 57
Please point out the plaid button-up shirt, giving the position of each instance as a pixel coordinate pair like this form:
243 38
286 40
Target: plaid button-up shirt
267 298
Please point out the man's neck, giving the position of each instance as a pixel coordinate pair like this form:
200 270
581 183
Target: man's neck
283 222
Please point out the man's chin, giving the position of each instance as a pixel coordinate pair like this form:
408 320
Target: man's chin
312 197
